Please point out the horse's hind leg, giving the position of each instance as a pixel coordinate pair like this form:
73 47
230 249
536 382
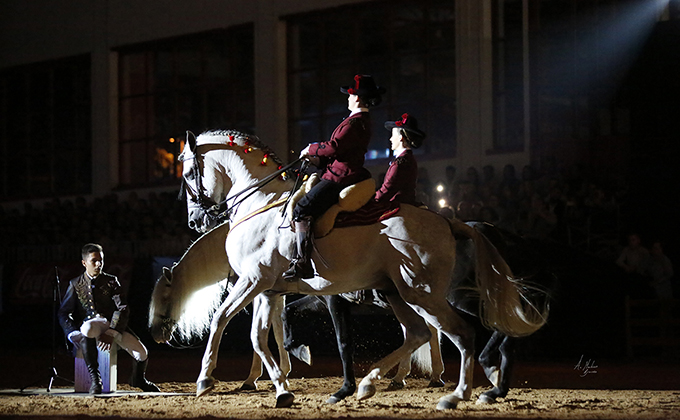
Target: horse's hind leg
255 373
256 366
416 335
428 358
505 351
264 309
490 357
339 309
462 335
277 323
437 370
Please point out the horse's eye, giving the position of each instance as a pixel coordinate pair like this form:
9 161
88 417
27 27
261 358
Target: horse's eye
190 176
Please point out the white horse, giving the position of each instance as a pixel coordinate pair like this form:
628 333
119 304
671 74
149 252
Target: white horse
187 294
409 256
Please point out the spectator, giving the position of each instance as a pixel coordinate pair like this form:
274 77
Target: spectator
660 269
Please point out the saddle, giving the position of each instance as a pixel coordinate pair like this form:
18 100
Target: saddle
350 199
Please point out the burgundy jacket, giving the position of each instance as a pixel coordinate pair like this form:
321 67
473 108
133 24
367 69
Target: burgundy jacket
400 180
345 150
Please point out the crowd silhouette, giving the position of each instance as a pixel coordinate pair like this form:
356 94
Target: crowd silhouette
554 204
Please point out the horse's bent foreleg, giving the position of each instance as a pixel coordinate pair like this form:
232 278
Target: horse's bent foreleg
243 292
289 316
416 335
339 309
263 309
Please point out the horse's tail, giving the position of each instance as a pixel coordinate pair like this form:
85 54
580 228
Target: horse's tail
422 359
503 299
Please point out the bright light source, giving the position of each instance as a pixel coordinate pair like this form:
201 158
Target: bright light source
442 203
440 188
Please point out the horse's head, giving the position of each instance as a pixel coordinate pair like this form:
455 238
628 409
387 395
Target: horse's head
226 159
201 187
162 320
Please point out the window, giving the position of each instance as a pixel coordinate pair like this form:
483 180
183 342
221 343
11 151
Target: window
408 47
508 68
197 83
45 129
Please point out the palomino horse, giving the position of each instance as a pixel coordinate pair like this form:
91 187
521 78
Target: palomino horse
410 257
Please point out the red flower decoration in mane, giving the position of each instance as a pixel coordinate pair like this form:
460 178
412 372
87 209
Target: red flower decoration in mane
403 121
352 91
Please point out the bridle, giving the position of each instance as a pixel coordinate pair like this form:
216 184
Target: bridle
218 212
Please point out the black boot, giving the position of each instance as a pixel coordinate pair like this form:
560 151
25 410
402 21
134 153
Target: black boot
138 380
90 354
301 266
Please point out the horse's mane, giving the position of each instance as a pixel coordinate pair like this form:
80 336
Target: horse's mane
195 300
239 139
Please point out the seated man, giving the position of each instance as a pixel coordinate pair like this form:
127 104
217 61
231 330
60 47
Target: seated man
94 314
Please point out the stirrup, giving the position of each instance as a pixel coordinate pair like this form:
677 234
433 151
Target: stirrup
299 271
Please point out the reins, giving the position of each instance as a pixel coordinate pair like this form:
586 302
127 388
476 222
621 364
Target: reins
223 210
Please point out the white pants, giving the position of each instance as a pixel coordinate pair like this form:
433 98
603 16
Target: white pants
131 344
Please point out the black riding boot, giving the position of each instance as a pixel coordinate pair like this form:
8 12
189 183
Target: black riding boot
138 380
301 266
90 354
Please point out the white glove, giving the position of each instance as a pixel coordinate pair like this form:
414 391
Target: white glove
75 337
305 152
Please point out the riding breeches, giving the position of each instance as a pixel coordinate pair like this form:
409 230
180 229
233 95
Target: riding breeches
95 327
319 199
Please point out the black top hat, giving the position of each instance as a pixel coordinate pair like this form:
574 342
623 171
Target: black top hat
364 85
414 137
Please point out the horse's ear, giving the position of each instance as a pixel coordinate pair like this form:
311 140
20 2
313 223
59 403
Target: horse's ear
167 273
191 141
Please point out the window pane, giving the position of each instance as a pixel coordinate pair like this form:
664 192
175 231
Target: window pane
407 46
133 118
310 41
133 74
164 157
304 132
199 82
133 163
160 77
307 98
188 64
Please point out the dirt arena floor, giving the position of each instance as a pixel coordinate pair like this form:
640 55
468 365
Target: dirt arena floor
541 390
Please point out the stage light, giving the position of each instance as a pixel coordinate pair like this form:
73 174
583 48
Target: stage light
442 203
440 188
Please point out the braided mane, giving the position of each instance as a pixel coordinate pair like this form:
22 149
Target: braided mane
240 139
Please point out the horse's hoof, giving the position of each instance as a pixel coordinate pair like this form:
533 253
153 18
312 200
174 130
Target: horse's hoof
447 404
492 373
285 400
303 354
248 387
485 399
333 400
394 385
436 384
204 386
365 392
